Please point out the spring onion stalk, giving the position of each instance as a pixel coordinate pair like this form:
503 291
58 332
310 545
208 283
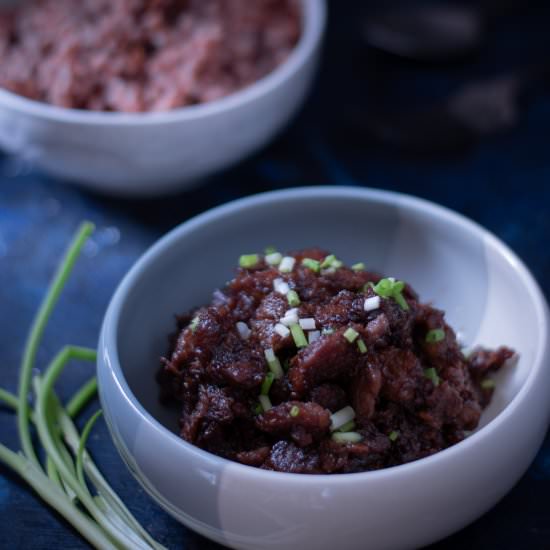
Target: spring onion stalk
351 335
281 330
390 288
361 346
82 445
347 437
347 427
432 375
266 384
371 303
341 417
307 323
273 363
488 384
274 258
248 260
298 336
265 402
293 298
312 264
393 435
35 336
287 264
435 335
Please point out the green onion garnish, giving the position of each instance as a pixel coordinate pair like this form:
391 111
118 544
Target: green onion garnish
314 265
273 363
390 288
327 262
432 375
347 427
287 264
265 402
347 437
274 259
393 435
298 336
248 260
351 335
360 266
435 335
294 411
293 298
257 409
194 323
269 250
488 384
362 346
266 384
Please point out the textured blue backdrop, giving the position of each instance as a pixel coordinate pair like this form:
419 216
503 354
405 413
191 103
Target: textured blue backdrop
502 183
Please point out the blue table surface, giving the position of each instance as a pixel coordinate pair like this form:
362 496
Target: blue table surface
502 183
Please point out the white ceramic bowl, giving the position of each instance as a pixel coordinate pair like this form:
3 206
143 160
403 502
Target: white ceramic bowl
153 153
488 294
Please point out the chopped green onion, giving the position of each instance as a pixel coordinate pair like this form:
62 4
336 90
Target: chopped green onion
341 418
371 303
351 335
327 262
265 402
287 264
269 250
274 259
362 346
488 384
248 260
432 375
257 409
281 330
266 384
298 336
393 435
390 288
347 437
273 363
435 335
281 286
347 427
194 323
314 265
360 266
293 298
308 323
294 411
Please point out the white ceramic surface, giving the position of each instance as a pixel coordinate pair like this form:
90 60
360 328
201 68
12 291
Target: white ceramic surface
153 153
488 295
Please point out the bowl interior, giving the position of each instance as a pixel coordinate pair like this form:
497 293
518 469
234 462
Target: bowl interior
450 261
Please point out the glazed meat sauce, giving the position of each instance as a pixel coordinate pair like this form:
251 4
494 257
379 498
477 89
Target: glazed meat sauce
304 365
142 55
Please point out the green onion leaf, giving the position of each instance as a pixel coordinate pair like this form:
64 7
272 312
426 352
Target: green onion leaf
82 445
390 288
435 335
257 409
298 335
488 384
248 260
266 384
432 375
293 298
265 402
273 363
347 427
269 250
347 437
314 265
359 266
362 346
194 323
294 411
327 262
393 435
351 335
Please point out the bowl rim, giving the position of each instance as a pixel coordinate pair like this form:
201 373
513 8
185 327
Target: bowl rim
314 22
108 340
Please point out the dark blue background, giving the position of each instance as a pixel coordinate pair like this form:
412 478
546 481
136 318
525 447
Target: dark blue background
503 183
